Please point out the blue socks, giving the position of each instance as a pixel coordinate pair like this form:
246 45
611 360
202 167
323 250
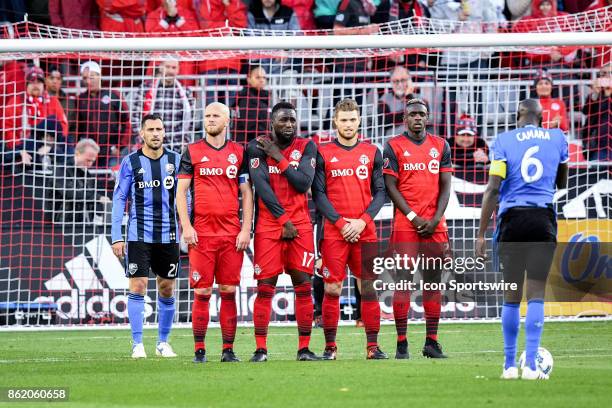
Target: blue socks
511 320
165 315
534 324
135 306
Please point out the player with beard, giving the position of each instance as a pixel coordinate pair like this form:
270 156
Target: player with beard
282 168
216 171
349 190
417 168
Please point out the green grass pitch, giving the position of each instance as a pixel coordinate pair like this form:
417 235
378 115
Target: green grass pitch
96 367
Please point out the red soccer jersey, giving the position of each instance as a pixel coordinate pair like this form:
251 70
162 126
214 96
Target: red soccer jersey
417 168
215 173
294 203
348 185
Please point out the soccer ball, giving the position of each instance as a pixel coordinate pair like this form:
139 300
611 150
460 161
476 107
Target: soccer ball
544 360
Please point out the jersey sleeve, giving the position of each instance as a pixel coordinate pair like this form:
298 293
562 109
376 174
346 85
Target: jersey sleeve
446 164
390 164
120 197
243 172
258 170
378 189
186 167
301 178
564 150
498 159
319 195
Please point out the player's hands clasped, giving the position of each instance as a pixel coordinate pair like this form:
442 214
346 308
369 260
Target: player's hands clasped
242 240
119 249
270 148
190 235
427 228
289 231
352 229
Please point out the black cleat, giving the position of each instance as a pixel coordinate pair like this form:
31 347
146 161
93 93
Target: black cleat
228 356
375 353
432 349
401 352
306 355
259 356
200 356
330 353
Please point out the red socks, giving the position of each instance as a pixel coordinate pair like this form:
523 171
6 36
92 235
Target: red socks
227 318
331 315
431 304
401 307
261 313
303 313
199 320
370 313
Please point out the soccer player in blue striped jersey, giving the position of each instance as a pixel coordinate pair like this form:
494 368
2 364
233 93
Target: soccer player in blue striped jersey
527 164
147 181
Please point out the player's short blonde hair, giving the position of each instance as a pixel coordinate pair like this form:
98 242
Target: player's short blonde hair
346 105
223 107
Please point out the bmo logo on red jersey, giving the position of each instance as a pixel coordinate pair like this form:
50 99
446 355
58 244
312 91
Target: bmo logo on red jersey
361 172
433 166
230 171
414 166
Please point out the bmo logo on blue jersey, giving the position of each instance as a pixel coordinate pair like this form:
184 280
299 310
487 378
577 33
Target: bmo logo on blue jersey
148 184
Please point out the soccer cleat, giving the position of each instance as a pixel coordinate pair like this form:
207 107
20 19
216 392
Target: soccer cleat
259 356
401 353
163 349
228 356
537 374
138 351
432 349
200 356
330 353
375 353
306 355
510 373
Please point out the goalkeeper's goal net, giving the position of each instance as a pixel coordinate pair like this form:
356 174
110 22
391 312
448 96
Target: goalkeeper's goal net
56 261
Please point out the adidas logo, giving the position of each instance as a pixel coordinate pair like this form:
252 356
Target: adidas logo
141 171
334 160
204 159
406 154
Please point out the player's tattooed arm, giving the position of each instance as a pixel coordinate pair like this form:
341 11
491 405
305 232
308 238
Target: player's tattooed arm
260 177
319 195
378 188
301 178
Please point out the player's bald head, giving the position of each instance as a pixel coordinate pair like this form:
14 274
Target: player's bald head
529 112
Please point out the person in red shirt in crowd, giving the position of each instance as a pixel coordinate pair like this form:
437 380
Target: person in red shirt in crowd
303 11
171 17
554 111
127 16
217 14
546 9
77 14
25 111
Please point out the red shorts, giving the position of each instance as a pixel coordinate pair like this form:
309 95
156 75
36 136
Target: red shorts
412 244
336 256
274 256
215 258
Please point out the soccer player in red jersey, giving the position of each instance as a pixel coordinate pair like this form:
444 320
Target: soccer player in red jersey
349 190
282 168
216 169
417 168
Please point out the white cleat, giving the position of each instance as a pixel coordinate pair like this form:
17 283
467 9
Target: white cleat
138 351
163 349
510 373
537 374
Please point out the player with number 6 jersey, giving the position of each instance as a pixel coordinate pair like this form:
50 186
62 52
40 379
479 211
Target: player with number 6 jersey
216 171
282 168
